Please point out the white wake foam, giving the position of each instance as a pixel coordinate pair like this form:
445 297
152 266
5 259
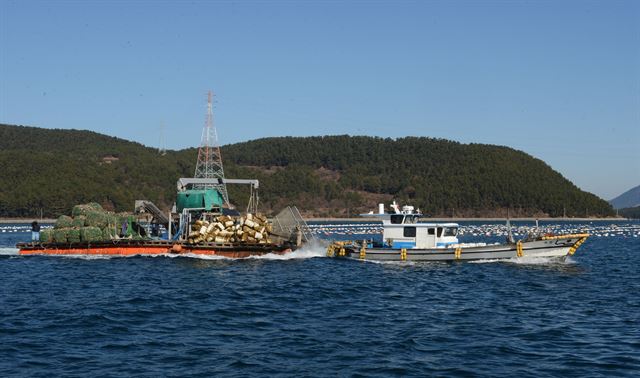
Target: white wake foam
487 261
397 262
91 257
309 251
195 256
8 251
531 260
527 260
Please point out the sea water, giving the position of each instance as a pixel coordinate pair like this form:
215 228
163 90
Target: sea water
308 315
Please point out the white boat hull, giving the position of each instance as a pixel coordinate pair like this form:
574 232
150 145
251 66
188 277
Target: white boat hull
549 246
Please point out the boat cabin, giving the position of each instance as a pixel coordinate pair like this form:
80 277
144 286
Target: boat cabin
401 229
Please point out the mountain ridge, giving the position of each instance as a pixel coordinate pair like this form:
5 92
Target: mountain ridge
326 176
628 199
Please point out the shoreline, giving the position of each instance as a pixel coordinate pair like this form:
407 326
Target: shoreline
373 219
26 220
461 219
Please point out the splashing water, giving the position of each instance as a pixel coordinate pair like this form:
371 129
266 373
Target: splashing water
8 251
173 314
529 260
308 251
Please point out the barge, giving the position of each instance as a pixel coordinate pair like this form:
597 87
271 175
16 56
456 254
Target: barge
199 226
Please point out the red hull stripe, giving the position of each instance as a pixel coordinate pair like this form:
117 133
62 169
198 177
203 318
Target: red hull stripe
146 250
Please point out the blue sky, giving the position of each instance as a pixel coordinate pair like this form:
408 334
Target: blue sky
559 80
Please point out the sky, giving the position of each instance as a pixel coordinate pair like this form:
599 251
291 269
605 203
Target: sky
559 80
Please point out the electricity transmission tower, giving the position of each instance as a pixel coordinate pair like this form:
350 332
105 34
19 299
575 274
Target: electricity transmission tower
209 163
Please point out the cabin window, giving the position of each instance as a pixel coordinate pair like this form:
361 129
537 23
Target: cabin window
431 231
396 219
408 219
451 231
409 232
439 231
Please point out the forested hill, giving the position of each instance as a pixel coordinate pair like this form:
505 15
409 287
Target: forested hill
324 176
441 177
54 169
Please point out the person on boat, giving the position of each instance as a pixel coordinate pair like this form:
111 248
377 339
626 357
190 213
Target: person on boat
123 229
35 231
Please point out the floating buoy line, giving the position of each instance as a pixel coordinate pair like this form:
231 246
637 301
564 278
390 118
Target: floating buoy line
322 230
624 230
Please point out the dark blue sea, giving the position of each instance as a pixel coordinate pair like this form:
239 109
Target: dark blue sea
308 315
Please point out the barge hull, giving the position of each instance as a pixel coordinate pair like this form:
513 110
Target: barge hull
154 248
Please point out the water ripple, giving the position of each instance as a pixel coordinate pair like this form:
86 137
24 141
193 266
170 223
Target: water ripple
310 316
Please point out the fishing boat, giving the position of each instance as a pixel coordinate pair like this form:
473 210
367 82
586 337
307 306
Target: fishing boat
404 238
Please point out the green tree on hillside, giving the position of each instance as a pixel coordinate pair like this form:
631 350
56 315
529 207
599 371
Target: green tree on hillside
53 170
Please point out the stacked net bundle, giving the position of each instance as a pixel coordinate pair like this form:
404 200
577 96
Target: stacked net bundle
60 235
46 235
63 221
79 221
97 219
85 209
91 234
73 235
91 223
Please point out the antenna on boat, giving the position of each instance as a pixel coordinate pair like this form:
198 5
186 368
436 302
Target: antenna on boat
395 207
